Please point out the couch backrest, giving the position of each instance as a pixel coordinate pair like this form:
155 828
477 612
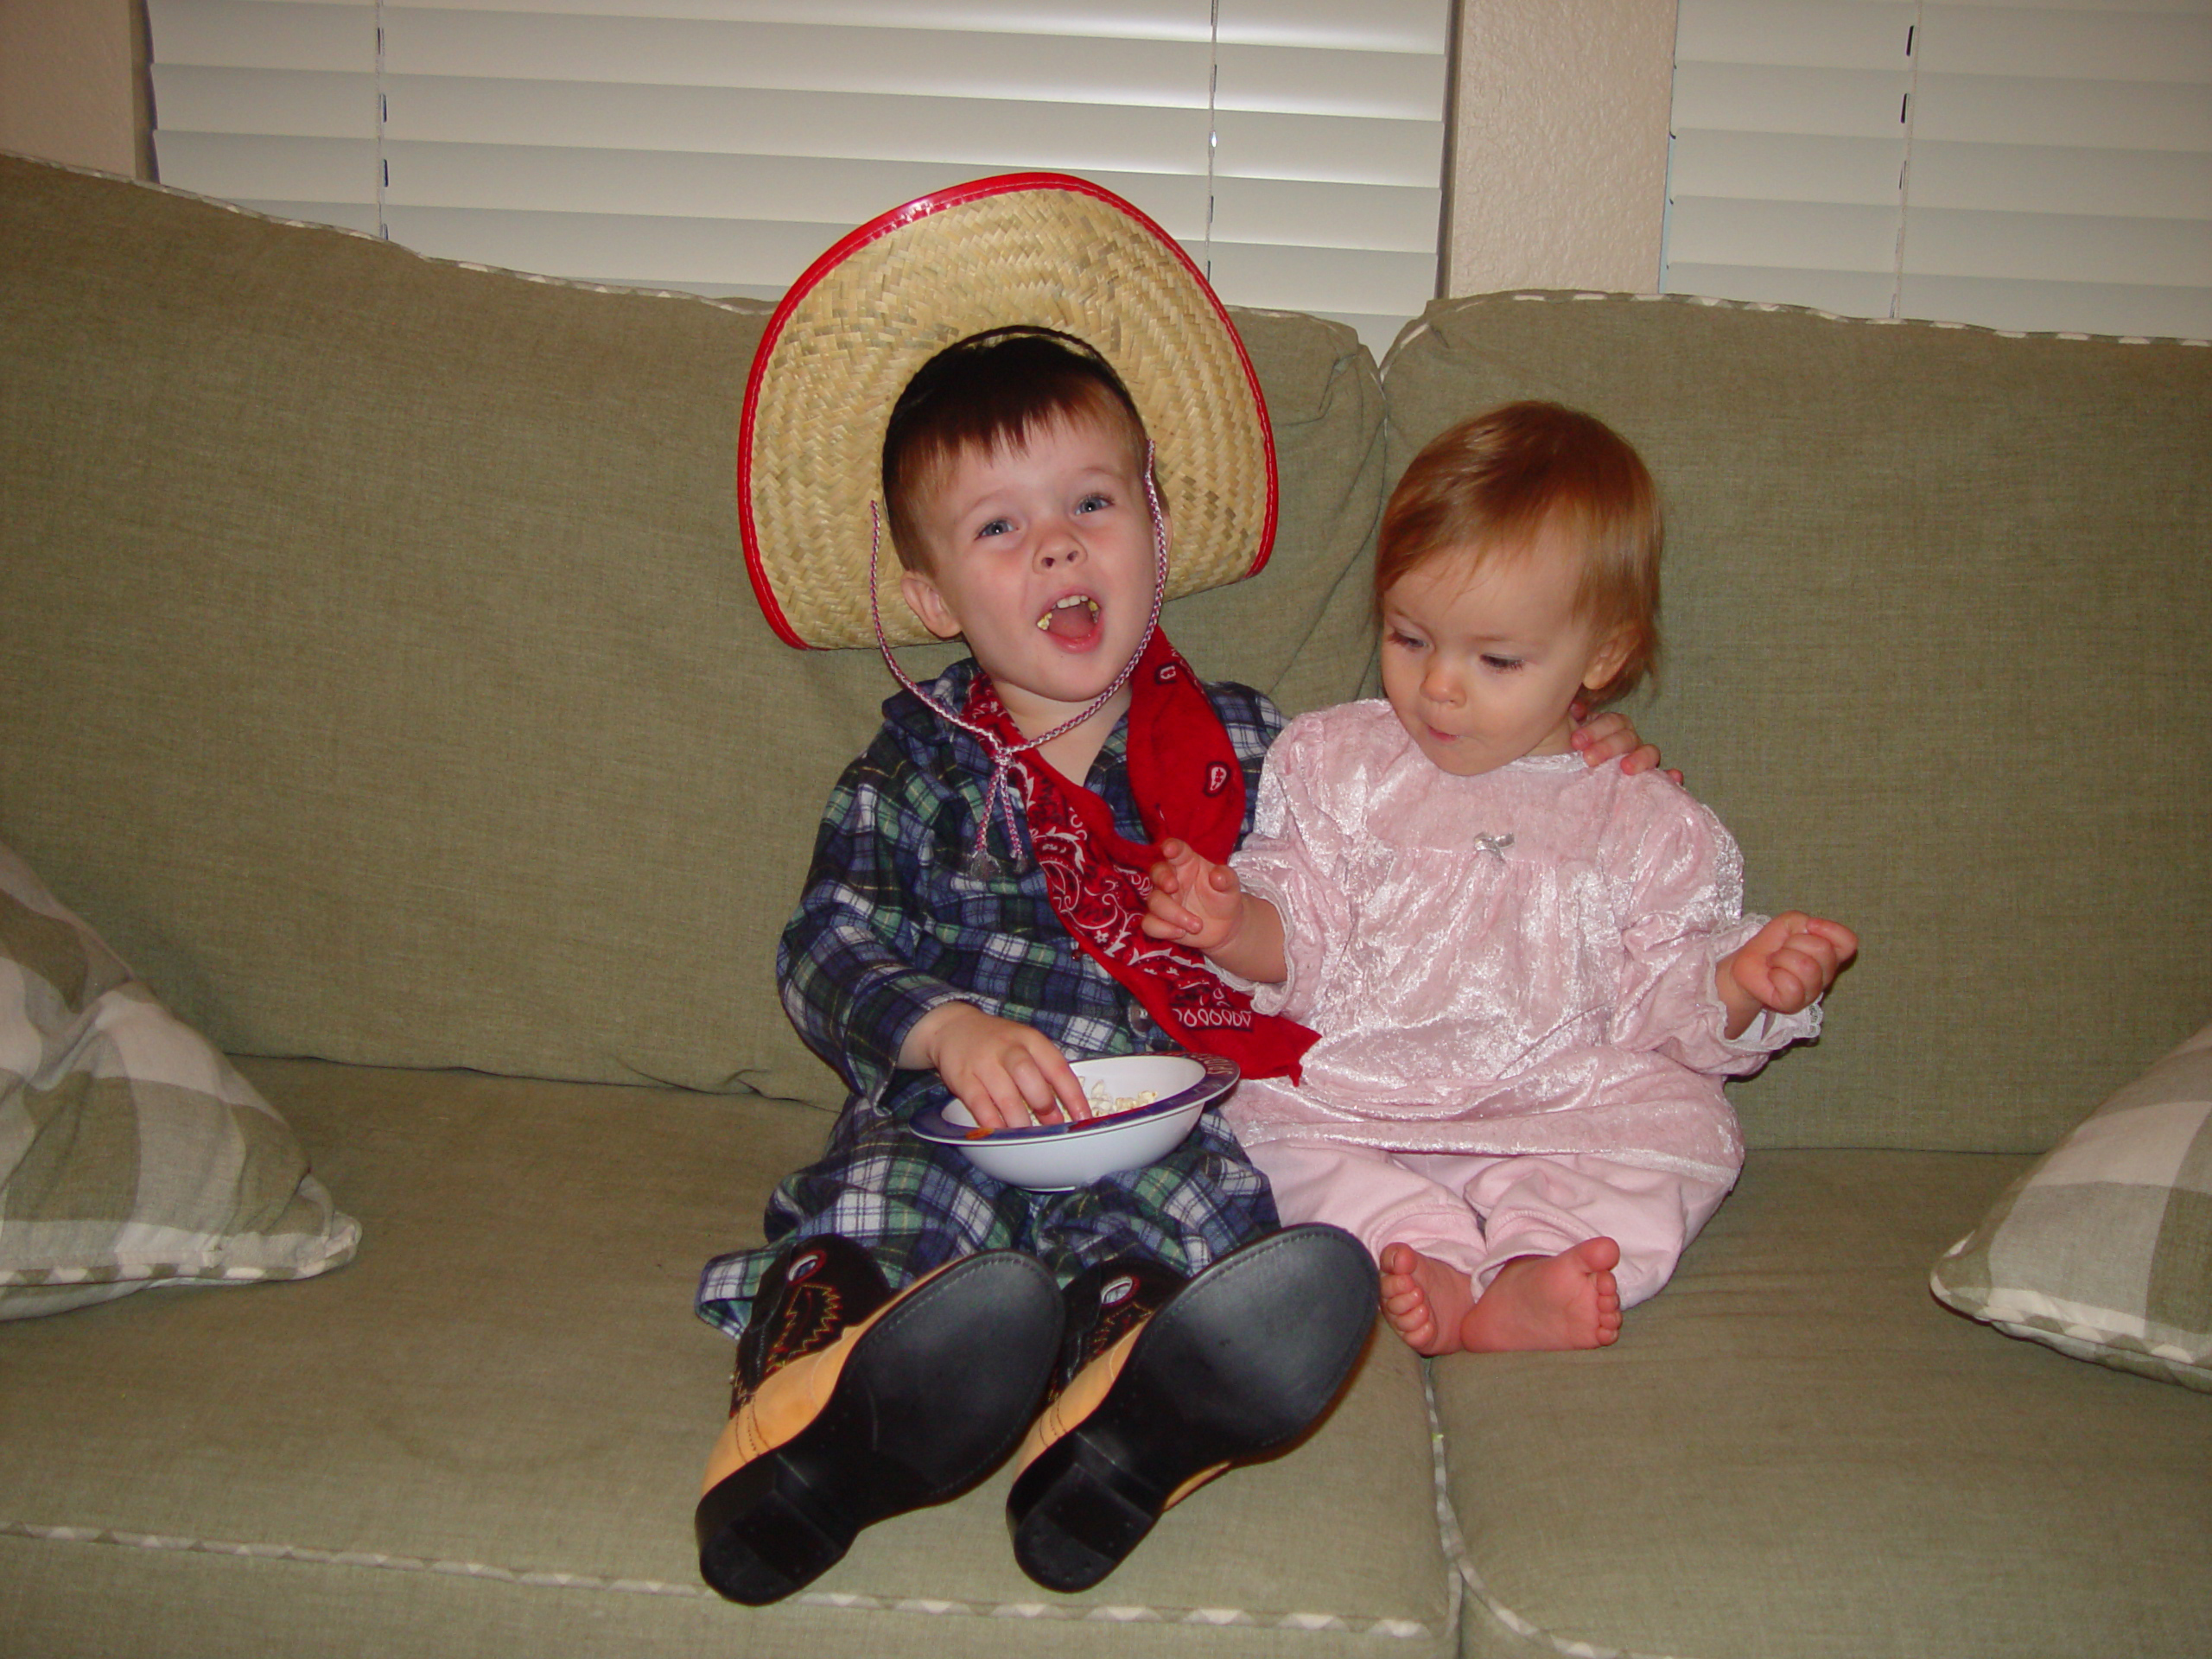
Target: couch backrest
1939 628
379 671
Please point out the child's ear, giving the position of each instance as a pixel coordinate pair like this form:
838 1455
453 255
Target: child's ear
926 603
1605 662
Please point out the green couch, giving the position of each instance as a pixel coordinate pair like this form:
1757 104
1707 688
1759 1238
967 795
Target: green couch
378 674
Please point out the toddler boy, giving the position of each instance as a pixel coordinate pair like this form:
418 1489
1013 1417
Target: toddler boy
897 1330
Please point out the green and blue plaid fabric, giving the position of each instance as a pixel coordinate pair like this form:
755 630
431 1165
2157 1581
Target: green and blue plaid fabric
891 926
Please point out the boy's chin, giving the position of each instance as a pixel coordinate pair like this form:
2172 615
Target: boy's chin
1067 678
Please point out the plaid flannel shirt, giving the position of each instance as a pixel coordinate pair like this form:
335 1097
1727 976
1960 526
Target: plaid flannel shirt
891 926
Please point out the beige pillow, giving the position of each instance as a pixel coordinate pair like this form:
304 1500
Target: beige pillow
131 1152
2104 1249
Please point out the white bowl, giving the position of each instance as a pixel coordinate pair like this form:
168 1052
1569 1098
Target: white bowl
1061 1157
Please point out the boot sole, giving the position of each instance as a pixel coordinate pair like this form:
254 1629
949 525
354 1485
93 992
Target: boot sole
929 1400
1242 1361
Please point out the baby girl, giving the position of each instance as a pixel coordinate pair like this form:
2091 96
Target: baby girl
1529 976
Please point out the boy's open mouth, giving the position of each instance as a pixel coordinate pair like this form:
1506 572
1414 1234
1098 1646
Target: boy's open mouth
1074 620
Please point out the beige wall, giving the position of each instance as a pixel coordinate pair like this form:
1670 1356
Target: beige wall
70 82
1558 163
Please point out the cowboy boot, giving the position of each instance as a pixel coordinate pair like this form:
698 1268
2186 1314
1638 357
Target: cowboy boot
1165 1384
851 1404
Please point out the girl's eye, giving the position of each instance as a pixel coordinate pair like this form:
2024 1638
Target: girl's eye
1093 504
1501 664
1400 637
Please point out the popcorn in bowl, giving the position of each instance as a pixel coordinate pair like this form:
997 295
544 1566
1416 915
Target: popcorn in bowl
1105 1102
1142 1106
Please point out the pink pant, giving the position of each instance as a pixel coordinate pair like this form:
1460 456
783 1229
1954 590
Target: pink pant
1476 1214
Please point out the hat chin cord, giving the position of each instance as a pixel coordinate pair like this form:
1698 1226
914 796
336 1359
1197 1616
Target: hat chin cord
981 866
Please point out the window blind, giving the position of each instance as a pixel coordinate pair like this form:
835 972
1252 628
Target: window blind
2020 165
1294 147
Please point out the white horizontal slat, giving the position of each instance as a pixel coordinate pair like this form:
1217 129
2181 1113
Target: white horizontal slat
1786 167
2059 247
1811 33
1374 26
1294 214
1152 20
655 184
1849 294
2188 8
2037 178
987 135
305 102
240 167
2046 307
795 57
1786 235
1320 279
2096 114
1332 149
2043 43
1392 86
1371 26
1748 97
263 34
809 57
991 134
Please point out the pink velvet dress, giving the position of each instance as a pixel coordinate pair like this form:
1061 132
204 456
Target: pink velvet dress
1519 962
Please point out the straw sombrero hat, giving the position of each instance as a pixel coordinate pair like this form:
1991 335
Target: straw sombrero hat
1038 249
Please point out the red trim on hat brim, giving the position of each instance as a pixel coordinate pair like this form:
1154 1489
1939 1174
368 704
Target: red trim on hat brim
898 218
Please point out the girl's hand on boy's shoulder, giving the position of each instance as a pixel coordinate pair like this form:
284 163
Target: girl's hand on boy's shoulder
1610 735
1006 1074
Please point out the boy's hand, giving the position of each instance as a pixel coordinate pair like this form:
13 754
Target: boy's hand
1193 898
1006 1074
1784 966
1609 736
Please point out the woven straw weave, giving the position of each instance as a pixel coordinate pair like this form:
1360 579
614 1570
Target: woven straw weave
1061 254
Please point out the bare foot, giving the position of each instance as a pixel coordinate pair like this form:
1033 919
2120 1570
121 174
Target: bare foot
1568 1300
1426 1300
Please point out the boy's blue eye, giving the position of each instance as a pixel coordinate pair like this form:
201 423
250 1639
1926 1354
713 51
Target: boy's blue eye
995 527
1093 504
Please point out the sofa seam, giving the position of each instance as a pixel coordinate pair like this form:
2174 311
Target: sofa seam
1457 1554
1091 1613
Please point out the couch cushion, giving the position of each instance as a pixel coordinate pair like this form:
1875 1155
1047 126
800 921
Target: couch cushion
2104 1249
131 1153
1936 625
1794 1449
382 674
487 1434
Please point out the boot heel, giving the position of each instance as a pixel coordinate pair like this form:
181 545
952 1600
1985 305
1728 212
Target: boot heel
763 1533
1075 1515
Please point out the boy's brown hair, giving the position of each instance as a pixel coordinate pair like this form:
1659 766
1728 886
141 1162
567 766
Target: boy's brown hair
1494 484
990 392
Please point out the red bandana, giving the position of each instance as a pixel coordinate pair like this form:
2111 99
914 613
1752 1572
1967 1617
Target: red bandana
1187 783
